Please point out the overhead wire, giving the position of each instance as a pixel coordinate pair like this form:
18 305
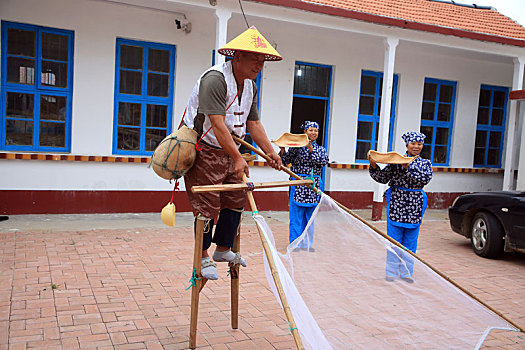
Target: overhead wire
242 10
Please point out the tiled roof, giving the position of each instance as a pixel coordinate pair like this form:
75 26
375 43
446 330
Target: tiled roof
435 16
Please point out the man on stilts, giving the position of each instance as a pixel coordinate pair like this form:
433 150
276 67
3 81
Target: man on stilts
224 102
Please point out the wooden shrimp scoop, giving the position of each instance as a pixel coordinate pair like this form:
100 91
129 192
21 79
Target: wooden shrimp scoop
390 157
292 140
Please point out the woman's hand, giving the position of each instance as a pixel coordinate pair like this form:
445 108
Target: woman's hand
310 147
373 164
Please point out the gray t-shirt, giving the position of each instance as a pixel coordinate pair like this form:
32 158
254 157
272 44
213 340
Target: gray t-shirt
212 98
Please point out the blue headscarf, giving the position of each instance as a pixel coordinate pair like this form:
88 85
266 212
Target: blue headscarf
413 136
308 124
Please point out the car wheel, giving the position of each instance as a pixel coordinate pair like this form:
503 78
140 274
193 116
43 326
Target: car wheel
487 236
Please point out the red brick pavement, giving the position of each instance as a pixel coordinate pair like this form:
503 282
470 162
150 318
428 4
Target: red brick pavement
125 289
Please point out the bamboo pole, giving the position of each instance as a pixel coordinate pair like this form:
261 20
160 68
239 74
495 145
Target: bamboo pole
199 284
391 240
234 276
275 275
254 185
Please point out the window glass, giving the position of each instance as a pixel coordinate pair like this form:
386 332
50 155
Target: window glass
20 70
369 113
368 85
129 113
159 61
429 92
19 132
130 82
53 107
437 123
128 139
366 105
54 74
445 93
52 134
311 80
156 116
144 88
55 47
21 42
484 98
481 138
444 112
362 149
483 115
364 130
497 117
428 110
500 99
495 139
37 89
131 57
20 105
490 126
158 85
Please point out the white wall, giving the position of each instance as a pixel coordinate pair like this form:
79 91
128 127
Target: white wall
97 24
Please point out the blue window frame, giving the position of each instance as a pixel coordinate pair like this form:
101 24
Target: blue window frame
144 74
437 119
311 97
36 88
492 111
369 111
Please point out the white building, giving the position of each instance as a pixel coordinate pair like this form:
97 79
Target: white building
88 87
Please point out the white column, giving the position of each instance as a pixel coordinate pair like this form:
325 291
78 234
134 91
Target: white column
517 84
221 32
386 106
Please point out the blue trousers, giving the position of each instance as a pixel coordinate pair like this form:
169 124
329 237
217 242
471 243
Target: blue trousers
299 217
399 262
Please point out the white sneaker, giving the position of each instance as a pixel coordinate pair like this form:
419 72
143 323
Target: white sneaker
229 256
209 269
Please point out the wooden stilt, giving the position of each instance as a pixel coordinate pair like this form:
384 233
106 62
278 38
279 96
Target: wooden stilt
199 284
234 275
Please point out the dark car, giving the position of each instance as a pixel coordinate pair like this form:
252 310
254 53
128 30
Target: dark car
494 221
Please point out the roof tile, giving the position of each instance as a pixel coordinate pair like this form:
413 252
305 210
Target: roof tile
436 13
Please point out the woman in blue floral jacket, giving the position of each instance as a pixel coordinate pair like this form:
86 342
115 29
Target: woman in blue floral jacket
406 203
303 200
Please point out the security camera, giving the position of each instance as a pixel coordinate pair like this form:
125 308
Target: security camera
213 2
183 24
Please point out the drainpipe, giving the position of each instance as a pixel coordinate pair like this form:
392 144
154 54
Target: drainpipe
221 32
517 84
384 118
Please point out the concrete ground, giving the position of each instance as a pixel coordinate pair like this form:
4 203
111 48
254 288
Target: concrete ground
117 281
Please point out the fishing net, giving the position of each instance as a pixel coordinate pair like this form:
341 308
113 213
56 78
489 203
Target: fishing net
340 299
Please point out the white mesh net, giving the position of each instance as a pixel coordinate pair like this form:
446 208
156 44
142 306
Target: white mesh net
340 299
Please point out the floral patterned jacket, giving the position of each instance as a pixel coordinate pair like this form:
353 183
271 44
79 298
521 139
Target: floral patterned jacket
405 206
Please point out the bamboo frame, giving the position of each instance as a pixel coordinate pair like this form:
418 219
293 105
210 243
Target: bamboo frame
244 186
275 275
391 240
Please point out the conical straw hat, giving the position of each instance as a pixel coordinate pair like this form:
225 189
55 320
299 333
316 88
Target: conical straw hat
251 41
390 157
